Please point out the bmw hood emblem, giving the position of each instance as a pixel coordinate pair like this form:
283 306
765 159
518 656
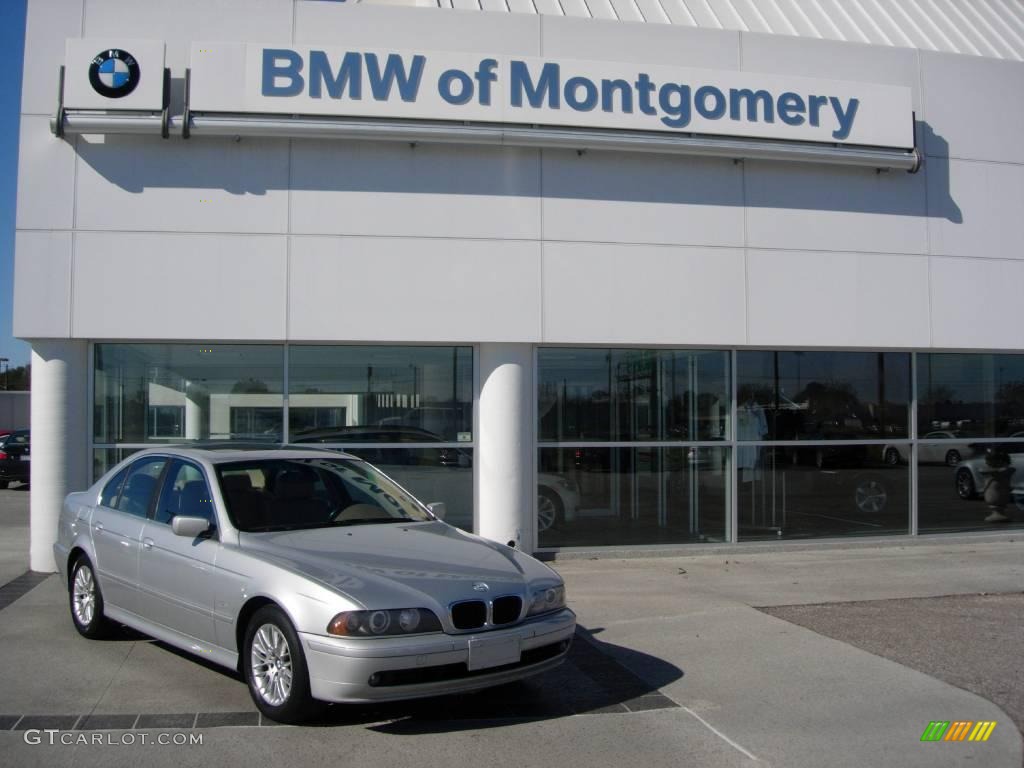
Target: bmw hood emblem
114 73
480 587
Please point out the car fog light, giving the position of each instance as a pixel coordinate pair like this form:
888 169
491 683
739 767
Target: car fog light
409 619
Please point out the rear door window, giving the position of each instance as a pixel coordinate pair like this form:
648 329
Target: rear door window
140 486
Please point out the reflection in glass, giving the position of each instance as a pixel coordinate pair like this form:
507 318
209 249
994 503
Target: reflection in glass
952 498
970 395
615 496
826 490
430 474
633 394
160 392
406 394
105 458
822 395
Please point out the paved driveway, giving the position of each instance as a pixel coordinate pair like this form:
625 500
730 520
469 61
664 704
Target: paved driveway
675 666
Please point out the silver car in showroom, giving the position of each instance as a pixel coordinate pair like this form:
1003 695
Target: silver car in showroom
310 572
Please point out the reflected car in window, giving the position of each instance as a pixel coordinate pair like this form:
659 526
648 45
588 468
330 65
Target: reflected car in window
970 482
948 453
310 572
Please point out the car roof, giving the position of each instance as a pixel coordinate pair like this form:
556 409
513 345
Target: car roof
220 453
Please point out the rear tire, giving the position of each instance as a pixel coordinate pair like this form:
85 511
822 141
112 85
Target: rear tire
4 484
892 457
86 601
952 458
275 668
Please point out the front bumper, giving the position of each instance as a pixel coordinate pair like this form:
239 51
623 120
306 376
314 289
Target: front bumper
340 669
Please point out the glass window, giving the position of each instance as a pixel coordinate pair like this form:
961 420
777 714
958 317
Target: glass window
185 493
984 490
140 486
970 395
824 490
633 395
425 393
109 496
430 474
822 395
153 392
616 496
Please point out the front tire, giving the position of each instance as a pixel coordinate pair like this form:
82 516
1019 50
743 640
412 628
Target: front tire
965 485
86 601
275 668
549 509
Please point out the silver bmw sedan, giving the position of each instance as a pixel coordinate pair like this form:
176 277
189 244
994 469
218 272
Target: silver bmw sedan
312 573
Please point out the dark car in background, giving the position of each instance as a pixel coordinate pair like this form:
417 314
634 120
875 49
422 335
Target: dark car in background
14 457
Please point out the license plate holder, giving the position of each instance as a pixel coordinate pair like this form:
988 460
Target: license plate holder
488 652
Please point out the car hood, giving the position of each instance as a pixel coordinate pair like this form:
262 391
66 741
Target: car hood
414 565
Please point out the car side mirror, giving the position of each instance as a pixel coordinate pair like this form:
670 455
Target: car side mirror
190 527
438 509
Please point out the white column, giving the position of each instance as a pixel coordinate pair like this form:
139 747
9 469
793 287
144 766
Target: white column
193 413
506 496
60 443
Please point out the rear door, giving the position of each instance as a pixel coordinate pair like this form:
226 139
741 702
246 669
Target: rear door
176 573
117 530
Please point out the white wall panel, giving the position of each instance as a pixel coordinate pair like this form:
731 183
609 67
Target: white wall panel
203 184
976 303
182 21
978 212
384 289
46 177
164 286
974 107
387 188
417 28
648 43
610 294
637 198
47 25
832 208
837 299
42 284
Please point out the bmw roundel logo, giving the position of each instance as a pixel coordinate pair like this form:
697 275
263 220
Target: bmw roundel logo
114 73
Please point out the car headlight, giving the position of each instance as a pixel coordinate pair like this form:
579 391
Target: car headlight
547 599
404 621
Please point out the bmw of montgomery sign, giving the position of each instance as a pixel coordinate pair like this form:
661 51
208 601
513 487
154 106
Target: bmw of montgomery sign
356 82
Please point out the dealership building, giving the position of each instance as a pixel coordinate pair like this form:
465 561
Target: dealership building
594 273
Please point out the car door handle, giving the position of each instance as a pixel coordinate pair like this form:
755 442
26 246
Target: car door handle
147 543
98 527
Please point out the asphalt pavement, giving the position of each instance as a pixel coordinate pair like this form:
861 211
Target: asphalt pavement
677 663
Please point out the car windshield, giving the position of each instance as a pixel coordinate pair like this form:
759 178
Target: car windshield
294 493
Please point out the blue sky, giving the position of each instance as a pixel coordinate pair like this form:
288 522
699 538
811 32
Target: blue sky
12 38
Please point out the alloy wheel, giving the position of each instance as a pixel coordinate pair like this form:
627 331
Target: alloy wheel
271 660
84 595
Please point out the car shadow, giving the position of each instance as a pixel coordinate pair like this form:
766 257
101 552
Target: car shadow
596 677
